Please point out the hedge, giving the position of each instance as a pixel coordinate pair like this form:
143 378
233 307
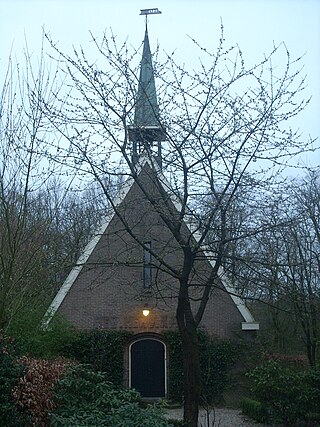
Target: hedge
103 350
217 357
289 395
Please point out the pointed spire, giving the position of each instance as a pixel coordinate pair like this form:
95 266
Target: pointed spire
146 127
146 108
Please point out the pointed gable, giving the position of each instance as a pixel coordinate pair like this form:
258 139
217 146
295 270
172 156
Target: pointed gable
106 287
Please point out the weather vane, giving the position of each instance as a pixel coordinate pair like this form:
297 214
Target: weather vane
146 12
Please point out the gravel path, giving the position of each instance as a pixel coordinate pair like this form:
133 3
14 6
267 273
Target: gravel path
223 418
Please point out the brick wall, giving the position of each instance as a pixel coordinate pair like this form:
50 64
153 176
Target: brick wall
109 292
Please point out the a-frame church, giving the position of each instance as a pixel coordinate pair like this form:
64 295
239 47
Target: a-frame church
124 279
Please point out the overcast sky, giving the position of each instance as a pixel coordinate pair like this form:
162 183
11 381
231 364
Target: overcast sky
253 24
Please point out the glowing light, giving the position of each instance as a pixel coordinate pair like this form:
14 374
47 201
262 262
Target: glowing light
145 312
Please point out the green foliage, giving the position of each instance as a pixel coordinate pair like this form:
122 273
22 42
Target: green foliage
287 393
313 417
87 399
103 350
217 357
33 340
10 372
176 376
254 410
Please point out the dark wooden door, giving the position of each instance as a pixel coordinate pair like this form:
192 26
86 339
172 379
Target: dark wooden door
148 368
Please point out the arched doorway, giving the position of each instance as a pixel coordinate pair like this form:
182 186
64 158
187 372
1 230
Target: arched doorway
148 367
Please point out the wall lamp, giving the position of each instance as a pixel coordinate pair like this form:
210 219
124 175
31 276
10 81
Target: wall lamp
146 310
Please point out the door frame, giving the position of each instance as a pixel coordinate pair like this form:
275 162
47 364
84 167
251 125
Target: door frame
144 338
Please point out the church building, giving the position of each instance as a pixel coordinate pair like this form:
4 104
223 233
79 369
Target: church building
124 279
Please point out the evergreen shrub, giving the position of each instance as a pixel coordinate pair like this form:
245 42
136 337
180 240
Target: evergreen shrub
254 410
288 394
103 350
175 372
36 341
86 398
217 357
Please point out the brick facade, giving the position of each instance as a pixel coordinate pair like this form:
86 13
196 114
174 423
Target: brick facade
109 293
106 290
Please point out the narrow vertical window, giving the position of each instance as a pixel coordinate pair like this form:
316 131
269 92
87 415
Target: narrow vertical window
147 277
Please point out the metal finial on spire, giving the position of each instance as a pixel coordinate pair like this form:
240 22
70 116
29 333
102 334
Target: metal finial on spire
146 12
153 11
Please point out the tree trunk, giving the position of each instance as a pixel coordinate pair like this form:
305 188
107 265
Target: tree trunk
311 344
2 309
191 365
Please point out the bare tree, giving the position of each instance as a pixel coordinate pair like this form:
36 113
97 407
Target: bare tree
225 128
45 219
283 259
71 216
23 171
302 248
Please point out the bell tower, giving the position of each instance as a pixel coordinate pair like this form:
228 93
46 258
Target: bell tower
146 133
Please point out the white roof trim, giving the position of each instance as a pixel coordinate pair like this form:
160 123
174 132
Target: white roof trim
74 273
250 326
249 323
245 312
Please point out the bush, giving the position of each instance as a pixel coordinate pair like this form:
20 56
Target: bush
176 375
87 399
103 350
288 394
39 343
217 357
254 410
33 392
313 417
10 372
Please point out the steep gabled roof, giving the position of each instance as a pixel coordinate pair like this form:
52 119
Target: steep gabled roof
249 322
